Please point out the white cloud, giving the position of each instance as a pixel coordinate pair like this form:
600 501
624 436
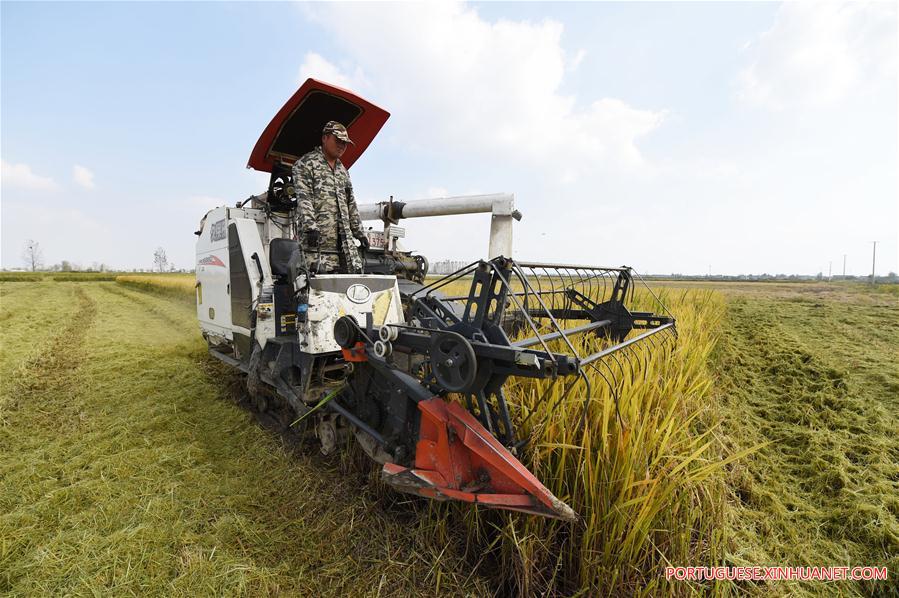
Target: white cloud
576 61
199 203
819 53
64 233
20 175
488 88
83 176
318 67
60 219
437 192
493 104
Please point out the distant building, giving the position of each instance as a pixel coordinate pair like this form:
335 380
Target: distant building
446 266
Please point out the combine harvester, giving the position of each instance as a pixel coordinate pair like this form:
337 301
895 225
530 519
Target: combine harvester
377 355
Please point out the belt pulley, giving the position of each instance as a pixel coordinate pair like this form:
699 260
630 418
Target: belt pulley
453 361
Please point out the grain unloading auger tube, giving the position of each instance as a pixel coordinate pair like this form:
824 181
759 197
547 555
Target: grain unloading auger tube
548 321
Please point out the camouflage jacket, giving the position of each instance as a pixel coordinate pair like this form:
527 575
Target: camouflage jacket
325 202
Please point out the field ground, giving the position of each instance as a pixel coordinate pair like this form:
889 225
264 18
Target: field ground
813 371
123 470
125 467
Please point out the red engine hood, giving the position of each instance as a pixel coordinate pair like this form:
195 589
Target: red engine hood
297 127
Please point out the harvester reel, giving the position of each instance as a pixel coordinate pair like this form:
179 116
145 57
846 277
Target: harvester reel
453 361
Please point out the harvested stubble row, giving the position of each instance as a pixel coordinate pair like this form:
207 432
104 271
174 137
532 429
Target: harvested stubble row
122 472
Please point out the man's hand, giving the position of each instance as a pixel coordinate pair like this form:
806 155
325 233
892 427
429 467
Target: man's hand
312 237
364 245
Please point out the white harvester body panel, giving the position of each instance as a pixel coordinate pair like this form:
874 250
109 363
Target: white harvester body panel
256 265
228 292
213 301
332 296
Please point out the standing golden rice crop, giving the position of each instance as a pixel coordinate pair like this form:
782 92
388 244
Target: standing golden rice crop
178 285
642 474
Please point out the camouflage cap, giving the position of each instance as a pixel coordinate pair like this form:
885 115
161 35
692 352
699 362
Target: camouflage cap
338 130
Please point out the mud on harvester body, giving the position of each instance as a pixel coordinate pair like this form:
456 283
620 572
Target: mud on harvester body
377 355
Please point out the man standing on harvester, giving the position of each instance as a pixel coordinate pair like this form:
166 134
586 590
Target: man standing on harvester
327 216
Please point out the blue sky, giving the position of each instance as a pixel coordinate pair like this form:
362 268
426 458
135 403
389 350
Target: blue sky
674 137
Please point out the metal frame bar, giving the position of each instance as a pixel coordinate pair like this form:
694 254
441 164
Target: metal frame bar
528 342
611 350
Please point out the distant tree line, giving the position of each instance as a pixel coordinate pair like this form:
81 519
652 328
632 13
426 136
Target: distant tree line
820 276
33 260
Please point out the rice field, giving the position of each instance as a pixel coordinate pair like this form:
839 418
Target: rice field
764 436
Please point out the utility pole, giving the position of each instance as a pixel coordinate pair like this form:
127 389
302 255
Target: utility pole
844 265
829 270
873 261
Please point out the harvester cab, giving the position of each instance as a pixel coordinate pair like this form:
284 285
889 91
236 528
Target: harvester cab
416 368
